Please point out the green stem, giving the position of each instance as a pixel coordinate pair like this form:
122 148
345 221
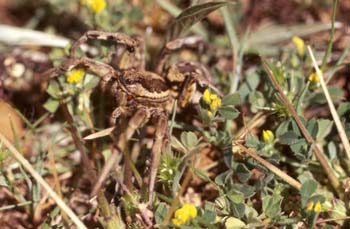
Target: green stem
330 44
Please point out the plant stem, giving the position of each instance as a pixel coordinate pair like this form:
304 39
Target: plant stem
252 153
330 44
318 153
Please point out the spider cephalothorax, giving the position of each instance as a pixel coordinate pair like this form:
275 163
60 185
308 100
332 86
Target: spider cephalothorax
140 95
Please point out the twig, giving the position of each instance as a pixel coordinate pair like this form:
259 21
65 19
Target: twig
42 182
252 153
318 153
334 113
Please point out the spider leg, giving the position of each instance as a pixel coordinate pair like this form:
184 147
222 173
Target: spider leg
177 44
137 120
160 133
97 68
187 76
119 38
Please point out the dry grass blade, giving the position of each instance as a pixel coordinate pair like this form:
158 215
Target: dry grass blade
334 113
100 134
42 182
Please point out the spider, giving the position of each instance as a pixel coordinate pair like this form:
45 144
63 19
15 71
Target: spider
139 94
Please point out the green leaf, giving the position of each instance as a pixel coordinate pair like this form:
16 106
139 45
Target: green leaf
54 89
202 174
324 128
289 138
298 146
335 92
209 212
189 139
236 197
238 209
175 143
51 105
343 108
308 188
228 112
257 100
272 205
90 81
252 141
231 99
191 16
311 127
160 213
242 172
234 223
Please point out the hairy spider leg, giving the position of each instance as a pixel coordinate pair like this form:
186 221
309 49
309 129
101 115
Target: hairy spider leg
119 38
160 133
137 120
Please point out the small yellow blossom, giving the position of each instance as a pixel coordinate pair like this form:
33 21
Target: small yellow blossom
299 43
214 97
213 100
97 6
215 104
210 114
314 78
75 75
317 207
206 96
184 214
314 207
310 206
268 136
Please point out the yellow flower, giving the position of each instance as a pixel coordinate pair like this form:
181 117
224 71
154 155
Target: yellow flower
210 114
310 206
215 104
318 207
299 43
97 6
212 99
184 214
314 207
268 136
314 78
75 75
206 96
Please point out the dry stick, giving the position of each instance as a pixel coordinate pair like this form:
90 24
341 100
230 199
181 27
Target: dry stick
42 182
73 131
252 153
318 153
334 113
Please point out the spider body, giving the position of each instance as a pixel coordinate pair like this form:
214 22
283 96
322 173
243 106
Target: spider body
140 95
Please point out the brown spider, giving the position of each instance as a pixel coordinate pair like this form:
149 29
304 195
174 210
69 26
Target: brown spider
141 94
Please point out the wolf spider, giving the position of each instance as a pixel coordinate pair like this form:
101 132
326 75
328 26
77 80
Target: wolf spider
143 95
